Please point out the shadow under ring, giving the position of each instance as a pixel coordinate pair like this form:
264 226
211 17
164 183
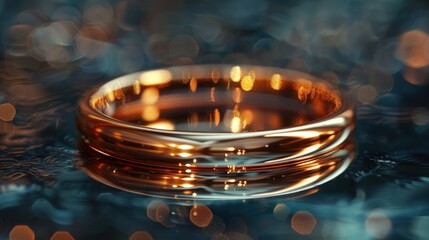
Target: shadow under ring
216 132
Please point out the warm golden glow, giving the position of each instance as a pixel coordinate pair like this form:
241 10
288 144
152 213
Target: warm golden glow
190 178
247 83
236 95
235 74
247 117
110 95
252 75
193 84
225 128
184 154
305 89
216 117
303 93
119 94
136 87
150 95
156 77
150 113
7 112
163 125
200 215
21 232
316 166
276 82
185 147
235 124
242 183
187 185
309 149
303 222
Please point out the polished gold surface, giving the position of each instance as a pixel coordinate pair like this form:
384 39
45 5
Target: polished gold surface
216 131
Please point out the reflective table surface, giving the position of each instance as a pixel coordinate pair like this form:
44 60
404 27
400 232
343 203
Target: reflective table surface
55 51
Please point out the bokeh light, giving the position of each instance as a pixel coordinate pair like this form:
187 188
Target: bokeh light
150 95
159 212
276 82
303 222
378 225
413 47
367 94
200 215
235 74
7 112
152 209
21 232
62 235
247 83
140 235
281 211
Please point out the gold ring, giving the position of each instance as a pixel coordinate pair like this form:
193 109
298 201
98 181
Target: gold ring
216 132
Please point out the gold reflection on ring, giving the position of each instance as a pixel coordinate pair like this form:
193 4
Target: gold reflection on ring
235 74
276 82
156 77
150 113
193 84
203 157
163 125
247 83
150 95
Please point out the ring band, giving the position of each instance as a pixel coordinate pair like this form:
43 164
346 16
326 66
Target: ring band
216 132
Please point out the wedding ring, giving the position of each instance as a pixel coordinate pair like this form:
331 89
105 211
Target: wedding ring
216 132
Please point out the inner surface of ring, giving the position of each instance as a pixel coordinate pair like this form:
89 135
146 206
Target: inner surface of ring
240 102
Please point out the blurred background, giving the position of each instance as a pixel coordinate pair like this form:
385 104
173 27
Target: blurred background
53 51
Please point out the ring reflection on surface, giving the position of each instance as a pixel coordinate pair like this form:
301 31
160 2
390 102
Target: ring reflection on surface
216 132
